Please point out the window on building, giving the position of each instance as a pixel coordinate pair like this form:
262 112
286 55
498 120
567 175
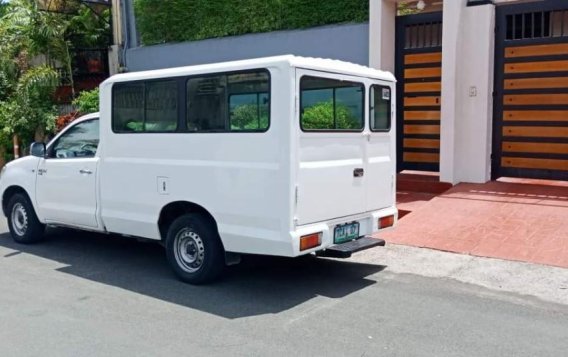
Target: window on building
380 114
229 102
330 104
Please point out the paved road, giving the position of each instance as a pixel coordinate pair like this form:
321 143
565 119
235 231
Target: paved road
81 294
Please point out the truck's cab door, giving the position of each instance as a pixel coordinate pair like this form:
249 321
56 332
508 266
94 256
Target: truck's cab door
66 181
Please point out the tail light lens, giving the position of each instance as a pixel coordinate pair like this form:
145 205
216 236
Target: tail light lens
310 241
385 222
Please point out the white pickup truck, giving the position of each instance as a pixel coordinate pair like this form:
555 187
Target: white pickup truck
280 156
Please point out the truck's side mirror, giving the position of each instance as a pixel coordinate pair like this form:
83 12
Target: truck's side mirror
38 149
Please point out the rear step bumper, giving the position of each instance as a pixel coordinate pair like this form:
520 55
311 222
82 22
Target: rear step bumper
345 250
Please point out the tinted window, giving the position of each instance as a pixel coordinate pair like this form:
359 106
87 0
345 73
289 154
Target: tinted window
380 108
161 106
329 104
79 141
145 107
229 102
128 108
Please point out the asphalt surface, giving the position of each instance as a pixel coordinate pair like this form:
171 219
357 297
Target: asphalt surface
82 294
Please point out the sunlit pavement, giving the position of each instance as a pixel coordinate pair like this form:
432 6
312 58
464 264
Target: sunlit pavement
79 294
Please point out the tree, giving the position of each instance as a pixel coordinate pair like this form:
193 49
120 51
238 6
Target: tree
25 91
3 6
30 35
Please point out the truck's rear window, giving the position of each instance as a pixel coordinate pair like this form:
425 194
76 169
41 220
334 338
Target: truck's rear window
380 108
331 105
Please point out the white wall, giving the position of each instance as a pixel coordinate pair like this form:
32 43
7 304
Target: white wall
450 76
382 20
467 92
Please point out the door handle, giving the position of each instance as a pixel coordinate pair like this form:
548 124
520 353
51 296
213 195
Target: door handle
85 171
358 172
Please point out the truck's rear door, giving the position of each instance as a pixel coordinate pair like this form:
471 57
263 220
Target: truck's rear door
332 146
381 147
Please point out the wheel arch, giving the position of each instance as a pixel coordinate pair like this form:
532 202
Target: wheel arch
175 209
9 193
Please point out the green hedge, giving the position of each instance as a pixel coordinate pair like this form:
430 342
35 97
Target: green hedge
161 21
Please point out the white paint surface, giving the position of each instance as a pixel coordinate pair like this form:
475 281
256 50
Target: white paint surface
467 62
382 16
248 182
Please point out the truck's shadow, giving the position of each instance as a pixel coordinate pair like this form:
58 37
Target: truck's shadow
259 285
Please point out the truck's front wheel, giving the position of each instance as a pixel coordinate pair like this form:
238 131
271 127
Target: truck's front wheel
194 249
23 223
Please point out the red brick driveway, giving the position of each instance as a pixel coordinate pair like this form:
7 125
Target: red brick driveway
513 221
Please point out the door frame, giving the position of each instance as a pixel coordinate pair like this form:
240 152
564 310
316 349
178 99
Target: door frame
402 22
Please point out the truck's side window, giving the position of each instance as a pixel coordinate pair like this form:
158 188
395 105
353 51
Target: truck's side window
79 141
229 102
161 106
331 105
380 108
128 107
145 107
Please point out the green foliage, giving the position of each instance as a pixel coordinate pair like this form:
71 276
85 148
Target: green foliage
187 20
245 117
3 7
26 92
405 8
87 101
320 117
30 107
90 30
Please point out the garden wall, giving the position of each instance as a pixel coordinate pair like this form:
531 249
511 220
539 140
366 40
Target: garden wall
191 20
347 42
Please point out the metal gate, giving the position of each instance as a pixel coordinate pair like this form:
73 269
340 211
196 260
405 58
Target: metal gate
419 75
530 134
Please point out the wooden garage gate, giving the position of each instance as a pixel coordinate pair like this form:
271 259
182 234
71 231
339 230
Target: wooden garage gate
419 75
531 87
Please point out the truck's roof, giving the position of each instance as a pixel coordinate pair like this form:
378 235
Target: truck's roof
318 64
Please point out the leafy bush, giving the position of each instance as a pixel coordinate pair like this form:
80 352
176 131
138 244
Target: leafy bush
320 116
245 117
188 20
87 101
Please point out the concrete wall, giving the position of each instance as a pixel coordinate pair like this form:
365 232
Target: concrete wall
382 28
347 42
467 88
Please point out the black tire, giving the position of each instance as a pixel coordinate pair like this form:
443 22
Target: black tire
23 223
194 249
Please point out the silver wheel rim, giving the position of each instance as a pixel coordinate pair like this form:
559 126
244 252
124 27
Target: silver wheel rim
19 219
189 250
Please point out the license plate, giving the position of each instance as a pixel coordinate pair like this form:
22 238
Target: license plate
346 232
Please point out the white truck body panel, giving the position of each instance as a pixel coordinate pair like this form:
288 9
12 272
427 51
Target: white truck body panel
264 189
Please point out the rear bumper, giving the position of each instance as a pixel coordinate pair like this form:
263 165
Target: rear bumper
368 225
345 250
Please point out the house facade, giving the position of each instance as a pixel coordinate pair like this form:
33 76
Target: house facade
482 85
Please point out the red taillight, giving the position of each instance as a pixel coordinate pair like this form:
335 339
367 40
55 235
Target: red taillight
310 241
385 222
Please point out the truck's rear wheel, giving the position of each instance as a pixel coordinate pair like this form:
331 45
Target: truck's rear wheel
194 249
23 223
